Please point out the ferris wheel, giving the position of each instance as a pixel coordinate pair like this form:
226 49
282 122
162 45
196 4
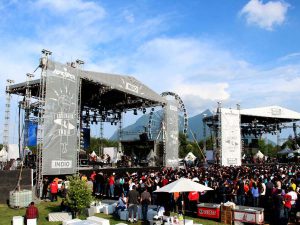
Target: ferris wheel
156 118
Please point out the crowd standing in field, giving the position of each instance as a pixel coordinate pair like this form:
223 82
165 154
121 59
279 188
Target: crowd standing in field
274 187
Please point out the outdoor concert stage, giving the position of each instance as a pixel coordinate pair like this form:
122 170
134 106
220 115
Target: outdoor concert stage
235 129
67 100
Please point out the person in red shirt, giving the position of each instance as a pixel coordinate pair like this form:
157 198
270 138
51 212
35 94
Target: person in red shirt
32 212
287 201
53 191
111 182
164 182
193 200
93 176
93 179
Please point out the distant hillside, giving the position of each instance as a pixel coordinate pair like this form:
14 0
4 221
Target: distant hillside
132 132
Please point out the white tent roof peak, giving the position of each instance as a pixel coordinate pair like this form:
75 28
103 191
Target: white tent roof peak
183 185
259 155
93 154
190 156
272 111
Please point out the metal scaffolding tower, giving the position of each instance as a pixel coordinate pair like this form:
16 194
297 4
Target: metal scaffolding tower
41 108
101 138
79 65
120 133
7 116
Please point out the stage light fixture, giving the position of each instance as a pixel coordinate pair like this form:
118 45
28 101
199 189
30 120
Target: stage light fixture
46 52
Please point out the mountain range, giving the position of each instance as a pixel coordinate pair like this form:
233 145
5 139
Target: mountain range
132 132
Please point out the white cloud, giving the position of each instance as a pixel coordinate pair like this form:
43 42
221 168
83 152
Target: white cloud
66 6
266 15
197 97
129 17
206 91
294 55
81 12
198 70
201 71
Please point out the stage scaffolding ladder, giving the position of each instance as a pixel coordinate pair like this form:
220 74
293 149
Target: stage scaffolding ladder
79 66
7 116
41 110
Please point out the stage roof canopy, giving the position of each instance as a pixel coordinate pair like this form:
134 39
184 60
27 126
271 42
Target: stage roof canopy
109 91
270 114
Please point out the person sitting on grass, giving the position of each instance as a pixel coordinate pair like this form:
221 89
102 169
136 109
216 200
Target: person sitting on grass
32 212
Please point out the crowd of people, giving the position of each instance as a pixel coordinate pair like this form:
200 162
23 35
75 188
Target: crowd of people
273 187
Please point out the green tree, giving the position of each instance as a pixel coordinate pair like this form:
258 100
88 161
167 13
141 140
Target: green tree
267 149
182 145
79 196
186 146
95 144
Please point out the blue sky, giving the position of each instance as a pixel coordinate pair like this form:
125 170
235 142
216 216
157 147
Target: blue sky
245 51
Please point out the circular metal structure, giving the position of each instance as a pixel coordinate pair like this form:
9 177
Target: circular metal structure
156 118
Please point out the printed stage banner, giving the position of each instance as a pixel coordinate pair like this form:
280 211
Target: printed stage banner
230 137
60 120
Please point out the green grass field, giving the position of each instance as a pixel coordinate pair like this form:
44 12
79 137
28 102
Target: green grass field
6 215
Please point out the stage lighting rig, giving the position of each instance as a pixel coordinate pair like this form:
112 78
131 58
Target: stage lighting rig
79 62
46 52
9 81
30 75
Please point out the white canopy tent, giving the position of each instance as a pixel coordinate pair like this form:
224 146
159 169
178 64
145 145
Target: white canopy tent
3 155
93 154
12 153
285 151
259 155
190 157
183 185
297 151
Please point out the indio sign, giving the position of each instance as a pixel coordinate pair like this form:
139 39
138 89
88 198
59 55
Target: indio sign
61 164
